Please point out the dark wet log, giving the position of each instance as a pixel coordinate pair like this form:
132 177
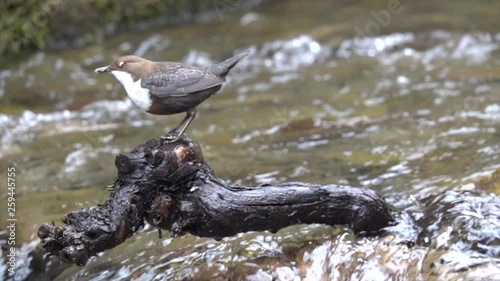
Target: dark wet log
171 186
90 231
213 209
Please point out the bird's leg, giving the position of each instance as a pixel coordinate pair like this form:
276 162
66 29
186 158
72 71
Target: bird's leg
191 114
172 135
182 122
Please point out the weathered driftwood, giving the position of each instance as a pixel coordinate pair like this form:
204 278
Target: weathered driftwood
171 187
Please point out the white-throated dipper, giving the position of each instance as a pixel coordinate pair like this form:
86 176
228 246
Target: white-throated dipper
164 88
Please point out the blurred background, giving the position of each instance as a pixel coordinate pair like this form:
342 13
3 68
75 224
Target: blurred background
399 96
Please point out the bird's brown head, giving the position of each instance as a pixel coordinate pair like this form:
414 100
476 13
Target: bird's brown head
136 66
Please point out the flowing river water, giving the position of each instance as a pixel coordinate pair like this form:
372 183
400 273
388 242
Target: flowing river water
401 99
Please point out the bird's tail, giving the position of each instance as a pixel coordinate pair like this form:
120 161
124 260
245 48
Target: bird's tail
221 69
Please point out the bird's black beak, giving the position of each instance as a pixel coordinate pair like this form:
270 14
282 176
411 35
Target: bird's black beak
103 69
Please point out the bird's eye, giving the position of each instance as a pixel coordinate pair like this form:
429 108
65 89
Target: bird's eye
120 64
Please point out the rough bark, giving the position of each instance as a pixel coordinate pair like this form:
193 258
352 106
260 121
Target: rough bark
171 187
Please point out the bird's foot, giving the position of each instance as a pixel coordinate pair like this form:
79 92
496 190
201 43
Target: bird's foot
170 137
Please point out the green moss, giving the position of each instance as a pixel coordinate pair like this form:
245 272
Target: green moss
36 24
24 24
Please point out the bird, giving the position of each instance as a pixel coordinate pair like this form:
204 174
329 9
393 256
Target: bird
164 88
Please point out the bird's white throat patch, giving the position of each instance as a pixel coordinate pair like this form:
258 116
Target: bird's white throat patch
136 93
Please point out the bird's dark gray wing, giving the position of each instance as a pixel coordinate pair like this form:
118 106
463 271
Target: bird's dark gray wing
179 81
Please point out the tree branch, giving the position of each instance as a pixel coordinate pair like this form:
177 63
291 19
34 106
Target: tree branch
171 187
